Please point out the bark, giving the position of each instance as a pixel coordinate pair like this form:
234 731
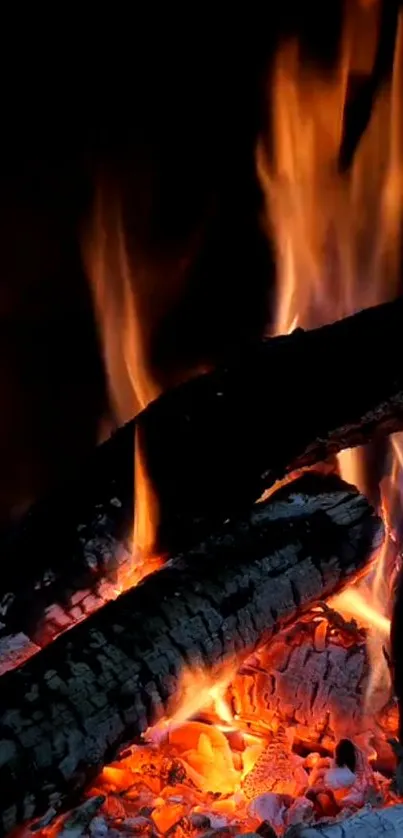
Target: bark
213 445
369 823
71 707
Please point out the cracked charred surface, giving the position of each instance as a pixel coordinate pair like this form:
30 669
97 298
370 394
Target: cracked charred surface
312 677
70 708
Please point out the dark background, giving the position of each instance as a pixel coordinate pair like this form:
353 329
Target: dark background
175 105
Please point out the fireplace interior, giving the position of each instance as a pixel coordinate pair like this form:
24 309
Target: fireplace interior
201 597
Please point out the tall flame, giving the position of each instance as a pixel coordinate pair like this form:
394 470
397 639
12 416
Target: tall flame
337 234
121 286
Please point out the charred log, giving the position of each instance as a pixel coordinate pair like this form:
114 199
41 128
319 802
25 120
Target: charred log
61 556
213 445
71 707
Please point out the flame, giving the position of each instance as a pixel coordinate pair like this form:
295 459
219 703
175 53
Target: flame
122 286
352 603
198 690
337 235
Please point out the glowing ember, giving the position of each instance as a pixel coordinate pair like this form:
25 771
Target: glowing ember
260 749
198 690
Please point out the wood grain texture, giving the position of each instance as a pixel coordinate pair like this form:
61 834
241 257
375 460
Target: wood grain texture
71 707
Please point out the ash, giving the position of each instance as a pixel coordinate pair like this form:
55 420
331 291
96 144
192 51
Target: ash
296 755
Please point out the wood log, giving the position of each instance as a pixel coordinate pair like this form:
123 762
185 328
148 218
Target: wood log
72 543
69 709
368 823
212 447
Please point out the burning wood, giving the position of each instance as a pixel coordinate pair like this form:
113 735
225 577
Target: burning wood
243 775
205 452
79 544
210 452
222 436
312 678
73 704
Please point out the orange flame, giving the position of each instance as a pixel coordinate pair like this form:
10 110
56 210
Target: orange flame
198 690
120 286
337 235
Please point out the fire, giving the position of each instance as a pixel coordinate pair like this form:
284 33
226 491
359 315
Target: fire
120 282
352 603
337 236
199 690
209 765
337 233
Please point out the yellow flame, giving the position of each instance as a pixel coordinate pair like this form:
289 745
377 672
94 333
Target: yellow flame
352 603
199 690
337 236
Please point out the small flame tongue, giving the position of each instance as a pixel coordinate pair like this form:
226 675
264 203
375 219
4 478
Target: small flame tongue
337 235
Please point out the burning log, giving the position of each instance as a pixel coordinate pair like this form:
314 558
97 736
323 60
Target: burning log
213 445
71 546
70 708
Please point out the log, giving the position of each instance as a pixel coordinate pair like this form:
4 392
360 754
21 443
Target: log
66 550
212 446
368 823
69 709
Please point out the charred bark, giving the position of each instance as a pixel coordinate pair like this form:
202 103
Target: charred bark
213 445
71 707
